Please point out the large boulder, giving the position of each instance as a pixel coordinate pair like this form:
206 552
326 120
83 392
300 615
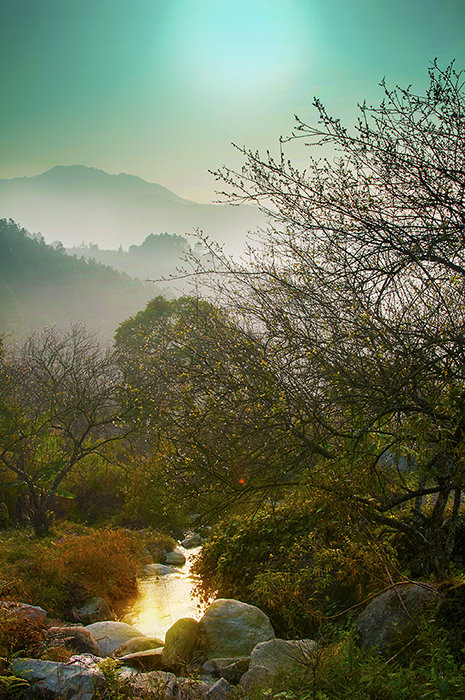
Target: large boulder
111 635
388 616
70 681
230 628
181 641
94 609
132 646
277 656
76 638
175 558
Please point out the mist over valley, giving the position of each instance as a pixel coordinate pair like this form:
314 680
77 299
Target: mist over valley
75 204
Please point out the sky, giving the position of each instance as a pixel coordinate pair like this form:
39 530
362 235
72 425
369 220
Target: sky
160 88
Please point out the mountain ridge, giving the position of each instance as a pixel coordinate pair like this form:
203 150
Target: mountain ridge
66 174
78 203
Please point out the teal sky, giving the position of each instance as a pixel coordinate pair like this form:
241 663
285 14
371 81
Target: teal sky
160 88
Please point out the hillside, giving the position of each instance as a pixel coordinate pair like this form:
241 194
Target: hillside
77 203
157 256
43 285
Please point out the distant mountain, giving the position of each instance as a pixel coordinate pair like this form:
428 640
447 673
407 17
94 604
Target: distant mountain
41 285
76 203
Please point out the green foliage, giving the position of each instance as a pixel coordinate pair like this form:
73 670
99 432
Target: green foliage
132 490
97 486
300 561
12 687
189 367
115 689
341 670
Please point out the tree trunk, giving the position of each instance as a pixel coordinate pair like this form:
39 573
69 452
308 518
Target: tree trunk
40 522
39 517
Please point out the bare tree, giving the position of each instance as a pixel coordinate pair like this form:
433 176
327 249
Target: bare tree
59 397
358 287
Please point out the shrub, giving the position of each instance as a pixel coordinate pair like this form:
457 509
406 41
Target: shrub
19 634
298 562
104 562
55 571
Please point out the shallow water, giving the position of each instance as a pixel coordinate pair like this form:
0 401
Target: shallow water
163 599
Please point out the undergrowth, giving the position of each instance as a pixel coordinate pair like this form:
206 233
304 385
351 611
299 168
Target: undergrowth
71 563
342 670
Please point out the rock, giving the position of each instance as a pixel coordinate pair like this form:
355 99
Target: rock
230 628
175 558
70 681
111 635
76 637
192 540
157 552
154 684
148 660
136 644
253 678
161 684
95 609
384 619
181 640
158 570
219 690
231 670
277 656
29 612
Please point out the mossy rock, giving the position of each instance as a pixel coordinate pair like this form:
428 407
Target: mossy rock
231 628
392 614
181 641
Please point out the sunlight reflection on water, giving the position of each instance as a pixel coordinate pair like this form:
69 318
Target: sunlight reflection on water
162 600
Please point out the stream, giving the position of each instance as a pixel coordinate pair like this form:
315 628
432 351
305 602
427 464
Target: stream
163 599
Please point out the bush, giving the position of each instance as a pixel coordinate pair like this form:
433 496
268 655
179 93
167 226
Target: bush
19 635
298 562
55 571
140 495
97 489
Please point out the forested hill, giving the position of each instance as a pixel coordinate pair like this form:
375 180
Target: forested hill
156 256
43 285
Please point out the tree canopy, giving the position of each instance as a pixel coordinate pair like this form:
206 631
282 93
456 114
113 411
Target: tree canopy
357 286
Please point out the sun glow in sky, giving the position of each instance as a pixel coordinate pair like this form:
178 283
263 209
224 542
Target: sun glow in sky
160 88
